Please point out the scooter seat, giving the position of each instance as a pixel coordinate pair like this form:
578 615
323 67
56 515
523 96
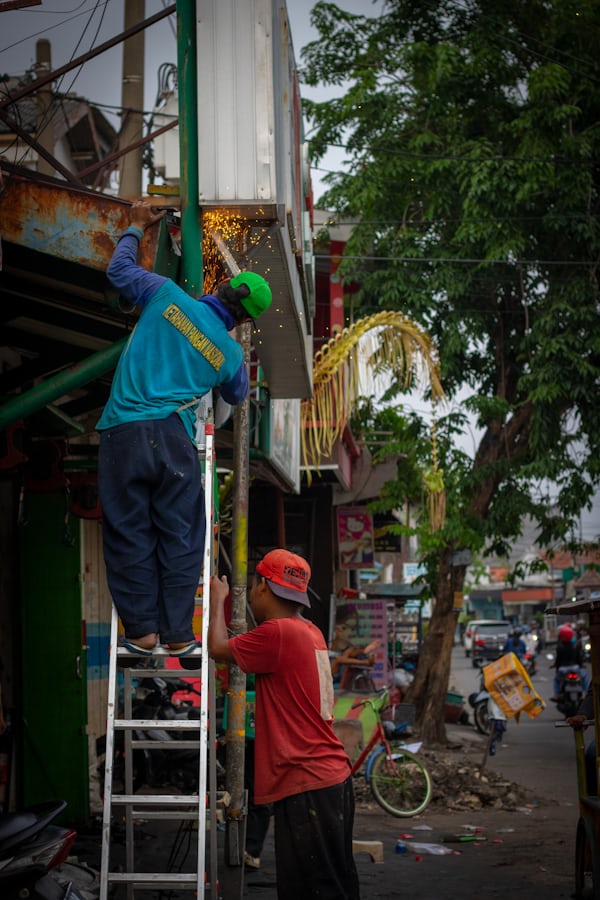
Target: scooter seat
19 826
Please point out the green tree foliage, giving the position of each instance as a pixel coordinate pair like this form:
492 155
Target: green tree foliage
472 136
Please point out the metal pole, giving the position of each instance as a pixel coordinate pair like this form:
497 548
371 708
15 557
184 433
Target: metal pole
132 101
23 405
191 230
45 111
236 720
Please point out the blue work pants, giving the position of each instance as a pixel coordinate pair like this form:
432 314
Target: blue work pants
153 525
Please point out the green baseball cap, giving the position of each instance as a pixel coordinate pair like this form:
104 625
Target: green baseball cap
260 297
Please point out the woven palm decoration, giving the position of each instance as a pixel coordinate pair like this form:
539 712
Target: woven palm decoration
403 348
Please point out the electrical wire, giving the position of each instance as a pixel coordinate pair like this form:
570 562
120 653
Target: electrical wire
60 24
412 225
465 261
51 111
91 47
405 154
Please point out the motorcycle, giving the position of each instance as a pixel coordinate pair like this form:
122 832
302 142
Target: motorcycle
32 852
586 647
529 663
479 701
484 709
570 690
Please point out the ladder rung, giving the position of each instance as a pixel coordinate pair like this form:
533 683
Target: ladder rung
222 800
167 815
164 745
154 880
157 653
164 724
156 800
179 674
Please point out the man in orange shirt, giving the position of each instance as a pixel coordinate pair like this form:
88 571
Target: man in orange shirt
300 765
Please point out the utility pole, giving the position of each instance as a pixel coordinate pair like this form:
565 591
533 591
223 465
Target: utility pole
232 878
45 109
132 101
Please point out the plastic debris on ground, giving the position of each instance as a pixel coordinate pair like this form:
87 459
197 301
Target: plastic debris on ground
421 849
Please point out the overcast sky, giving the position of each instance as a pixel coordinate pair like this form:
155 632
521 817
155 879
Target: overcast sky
75 26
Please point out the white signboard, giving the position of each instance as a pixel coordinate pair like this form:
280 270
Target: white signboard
411 571
284 440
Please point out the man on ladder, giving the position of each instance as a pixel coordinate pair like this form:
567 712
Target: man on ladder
155 510
149 478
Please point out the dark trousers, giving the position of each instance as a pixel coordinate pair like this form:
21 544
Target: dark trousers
590 769
153 525
313 845
259 816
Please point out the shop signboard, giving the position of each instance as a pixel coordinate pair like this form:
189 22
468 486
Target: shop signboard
355 538
360 624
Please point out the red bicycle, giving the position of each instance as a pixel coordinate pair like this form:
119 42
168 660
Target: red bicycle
399 781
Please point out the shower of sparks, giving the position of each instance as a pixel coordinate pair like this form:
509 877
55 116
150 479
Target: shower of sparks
233 229
239 233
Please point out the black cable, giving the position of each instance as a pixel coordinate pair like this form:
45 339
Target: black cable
30 37
91 47
553 160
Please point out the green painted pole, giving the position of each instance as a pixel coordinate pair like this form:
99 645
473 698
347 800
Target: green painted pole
191 229
23 405
231 879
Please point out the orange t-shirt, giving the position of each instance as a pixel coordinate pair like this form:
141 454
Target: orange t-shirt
296 748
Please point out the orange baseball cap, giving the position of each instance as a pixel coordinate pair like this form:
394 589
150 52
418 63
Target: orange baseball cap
286 574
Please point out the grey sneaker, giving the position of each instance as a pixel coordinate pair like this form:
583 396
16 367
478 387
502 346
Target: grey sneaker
253 862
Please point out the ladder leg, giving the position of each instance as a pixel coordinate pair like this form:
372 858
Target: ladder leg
204 680
212 777
110 755
127 743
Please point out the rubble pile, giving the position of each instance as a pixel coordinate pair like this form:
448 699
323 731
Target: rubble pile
458 783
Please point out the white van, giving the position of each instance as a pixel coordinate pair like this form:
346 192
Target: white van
472 625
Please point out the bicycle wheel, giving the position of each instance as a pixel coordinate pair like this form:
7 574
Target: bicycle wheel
400 783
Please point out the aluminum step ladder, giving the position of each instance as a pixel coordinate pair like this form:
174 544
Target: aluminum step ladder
199 810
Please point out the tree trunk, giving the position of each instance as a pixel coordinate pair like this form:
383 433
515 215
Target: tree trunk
428 691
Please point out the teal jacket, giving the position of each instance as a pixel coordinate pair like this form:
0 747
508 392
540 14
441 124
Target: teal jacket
179 349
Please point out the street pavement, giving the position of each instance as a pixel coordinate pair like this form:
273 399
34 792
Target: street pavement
529 849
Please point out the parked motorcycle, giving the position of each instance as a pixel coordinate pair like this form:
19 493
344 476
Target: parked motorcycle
479 700
31 852
484 709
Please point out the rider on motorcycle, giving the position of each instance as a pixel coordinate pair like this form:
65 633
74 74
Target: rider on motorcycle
515 644
568 654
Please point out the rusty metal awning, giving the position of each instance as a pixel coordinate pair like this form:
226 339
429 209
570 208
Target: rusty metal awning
58 309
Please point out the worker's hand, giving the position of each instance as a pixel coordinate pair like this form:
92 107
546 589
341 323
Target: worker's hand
219 588
576 721
142 214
